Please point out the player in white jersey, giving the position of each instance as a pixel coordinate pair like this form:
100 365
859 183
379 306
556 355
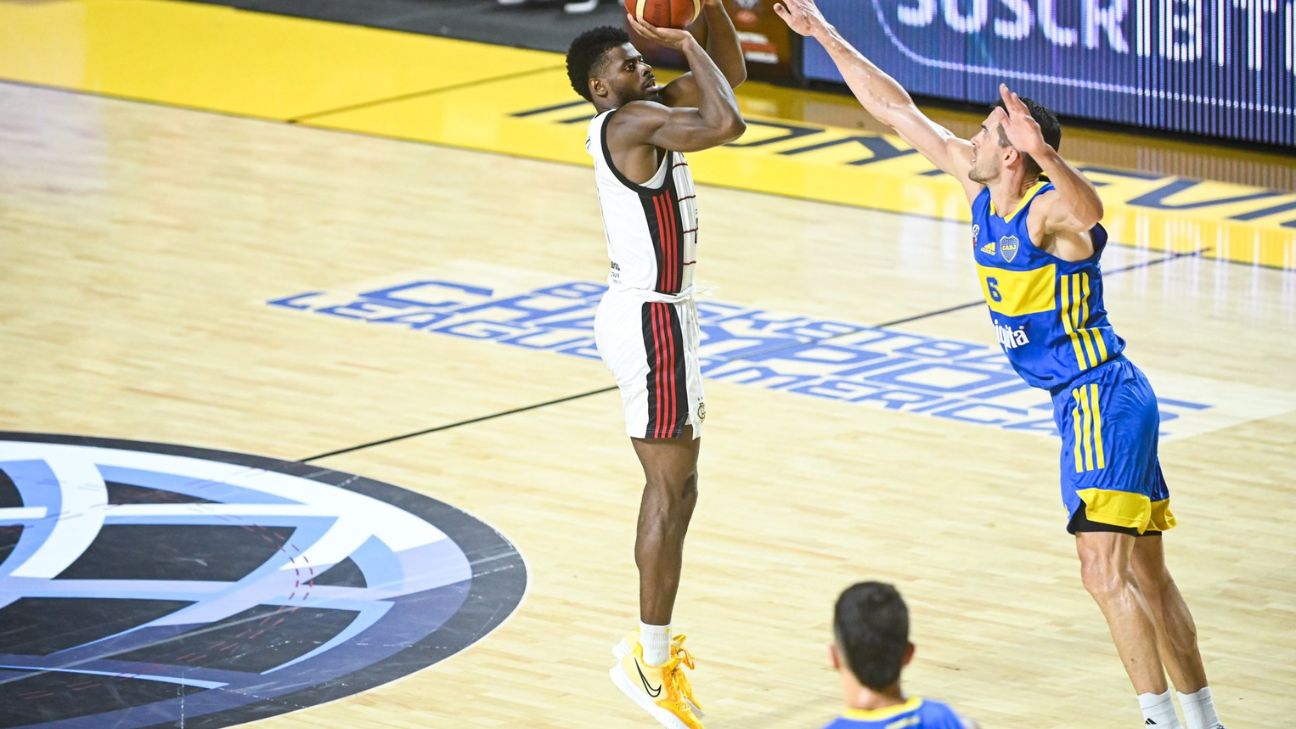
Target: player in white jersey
646 327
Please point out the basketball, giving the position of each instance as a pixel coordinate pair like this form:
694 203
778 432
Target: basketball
667 13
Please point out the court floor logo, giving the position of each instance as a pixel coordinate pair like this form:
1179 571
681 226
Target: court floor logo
150 585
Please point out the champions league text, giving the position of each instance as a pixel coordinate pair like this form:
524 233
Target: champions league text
822 358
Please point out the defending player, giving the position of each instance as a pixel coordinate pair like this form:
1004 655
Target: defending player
646 328
1037 242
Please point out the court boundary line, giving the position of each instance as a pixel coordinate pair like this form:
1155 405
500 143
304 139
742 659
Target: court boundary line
417 94
603 390
470 421
459 148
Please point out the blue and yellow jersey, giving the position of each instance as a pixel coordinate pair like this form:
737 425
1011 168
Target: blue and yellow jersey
1048 313
916 713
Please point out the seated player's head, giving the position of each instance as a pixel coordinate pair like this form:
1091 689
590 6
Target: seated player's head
993 153
871 631
607 70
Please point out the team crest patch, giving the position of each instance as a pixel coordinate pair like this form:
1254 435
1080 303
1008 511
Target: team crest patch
1008 247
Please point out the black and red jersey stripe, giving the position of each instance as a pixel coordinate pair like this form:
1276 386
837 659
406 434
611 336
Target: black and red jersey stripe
668 408
661 209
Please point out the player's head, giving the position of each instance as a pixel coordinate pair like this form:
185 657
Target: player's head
993 152
871 631
606 69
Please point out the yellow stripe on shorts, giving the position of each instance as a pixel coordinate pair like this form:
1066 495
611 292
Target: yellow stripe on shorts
1088 428
1075 422
1086 419
1097 416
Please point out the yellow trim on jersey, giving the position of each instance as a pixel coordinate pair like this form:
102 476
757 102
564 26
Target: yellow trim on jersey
1095 336
1019 292
1079 315
1065 311
1030 195
880 714
1127 509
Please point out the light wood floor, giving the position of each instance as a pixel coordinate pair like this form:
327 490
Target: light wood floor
140 246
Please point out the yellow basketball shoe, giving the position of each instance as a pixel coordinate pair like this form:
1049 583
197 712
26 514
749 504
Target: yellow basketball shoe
663 691
631 639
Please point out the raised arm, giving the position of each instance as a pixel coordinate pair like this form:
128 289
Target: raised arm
724 49
714 121
881 96
1062 220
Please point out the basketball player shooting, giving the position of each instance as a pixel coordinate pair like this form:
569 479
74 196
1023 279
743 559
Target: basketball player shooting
1037 240
646 328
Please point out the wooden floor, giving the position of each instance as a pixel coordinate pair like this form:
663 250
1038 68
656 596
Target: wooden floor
141 244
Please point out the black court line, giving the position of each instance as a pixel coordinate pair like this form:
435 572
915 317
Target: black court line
603 390
448 426
425 92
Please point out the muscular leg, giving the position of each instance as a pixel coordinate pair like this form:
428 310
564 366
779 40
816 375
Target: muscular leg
1176 632
670 492
1107 570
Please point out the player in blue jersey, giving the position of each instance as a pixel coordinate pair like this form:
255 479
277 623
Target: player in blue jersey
1037 242
870 648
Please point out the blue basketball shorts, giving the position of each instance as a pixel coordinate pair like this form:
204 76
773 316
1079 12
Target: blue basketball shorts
1108 419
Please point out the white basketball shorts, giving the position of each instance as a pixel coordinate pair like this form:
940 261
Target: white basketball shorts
651 348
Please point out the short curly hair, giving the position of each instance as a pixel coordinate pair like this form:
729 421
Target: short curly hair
586 53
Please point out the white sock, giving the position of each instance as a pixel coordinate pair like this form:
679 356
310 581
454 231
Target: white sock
1199 710
655 640
1158 711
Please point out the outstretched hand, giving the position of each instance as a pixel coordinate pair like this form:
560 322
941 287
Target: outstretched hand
802 16
1019 126
669 37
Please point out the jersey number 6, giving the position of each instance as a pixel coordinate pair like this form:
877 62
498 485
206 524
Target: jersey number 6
992 285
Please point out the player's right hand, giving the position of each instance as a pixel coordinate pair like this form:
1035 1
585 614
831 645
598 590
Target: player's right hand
669 37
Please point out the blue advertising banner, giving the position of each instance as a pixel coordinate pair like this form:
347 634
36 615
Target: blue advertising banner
1224 68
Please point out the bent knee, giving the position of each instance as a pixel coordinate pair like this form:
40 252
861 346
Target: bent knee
1104 577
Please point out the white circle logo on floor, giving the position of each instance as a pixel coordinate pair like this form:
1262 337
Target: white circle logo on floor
145 584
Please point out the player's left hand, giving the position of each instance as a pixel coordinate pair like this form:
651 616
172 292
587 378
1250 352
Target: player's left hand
1018 124
802 16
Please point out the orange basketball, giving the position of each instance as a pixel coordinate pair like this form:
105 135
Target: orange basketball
666 13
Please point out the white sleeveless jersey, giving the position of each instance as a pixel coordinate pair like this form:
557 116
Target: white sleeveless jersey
651 228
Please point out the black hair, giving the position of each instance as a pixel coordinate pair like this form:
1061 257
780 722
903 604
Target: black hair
1049 128
586 52
871 625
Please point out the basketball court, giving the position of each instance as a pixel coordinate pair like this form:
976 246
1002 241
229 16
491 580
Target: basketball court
376 255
